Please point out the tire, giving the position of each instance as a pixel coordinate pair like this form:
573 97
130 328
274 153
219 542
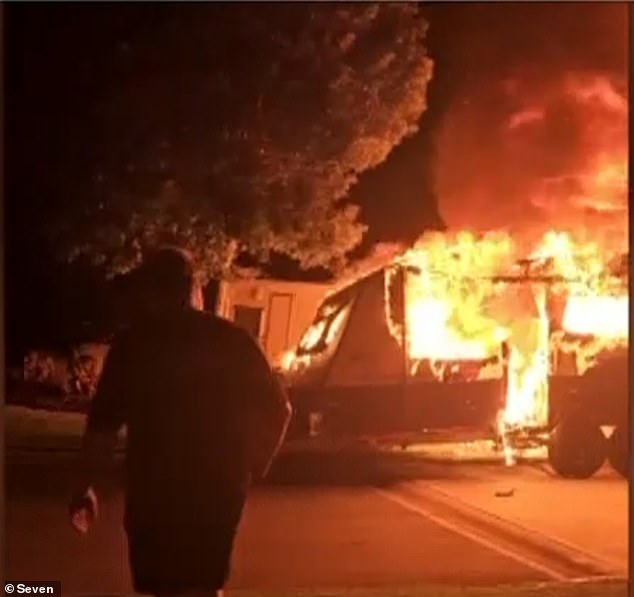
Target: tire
618 451
577 448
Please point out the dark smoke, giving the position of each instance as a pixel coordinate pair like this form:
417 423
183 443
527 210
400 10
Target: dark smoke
534 134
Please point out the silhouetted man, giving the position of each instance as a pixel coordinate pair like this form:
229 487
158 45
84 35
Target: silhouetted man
204 416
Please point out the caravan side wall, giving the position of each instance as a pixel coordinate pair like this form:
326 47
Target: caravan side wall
275 312
370 390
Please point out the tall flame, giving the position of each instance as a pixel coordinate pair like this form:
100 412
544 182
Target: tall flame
466 300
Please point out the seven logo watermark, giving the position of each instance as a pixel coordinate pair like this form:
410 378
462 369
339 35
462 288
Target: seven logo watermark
52 588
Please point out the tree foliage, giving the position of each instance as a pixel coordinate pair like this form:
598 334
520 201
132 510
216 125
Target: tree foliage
241 128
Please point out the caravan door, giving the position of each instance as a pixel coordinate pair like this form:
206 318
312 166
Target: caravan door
279 322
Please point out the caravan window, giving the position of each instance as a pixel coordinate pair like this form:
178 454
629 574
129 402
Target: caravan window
335 303
249 319
312 337
324 328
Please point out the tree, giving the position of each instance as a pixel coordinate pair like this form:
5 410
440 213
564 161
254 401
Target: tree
237 128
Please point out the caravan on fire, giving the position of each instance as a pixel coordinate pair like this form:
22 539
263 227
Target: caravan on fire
460 339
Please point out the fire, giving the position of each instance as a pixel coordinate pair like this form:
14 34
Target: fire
440 341
605 316
321 333
596 313
597 299
286 360
467 297
527 370
436 331
459 308
487 303
445 292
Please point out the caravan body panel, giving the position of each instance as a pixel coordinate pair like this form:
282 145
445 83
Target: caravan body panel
367 354
275 312
363 384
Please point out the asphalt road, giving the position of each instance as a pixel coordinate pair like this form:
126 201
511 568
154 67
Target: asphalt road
460 525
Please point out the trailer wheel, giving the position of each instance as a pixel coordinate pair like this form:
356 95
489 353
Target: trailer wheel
577 448
618 451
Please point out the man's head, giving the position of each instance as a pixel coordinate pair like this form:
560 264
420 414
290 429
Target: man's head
166 278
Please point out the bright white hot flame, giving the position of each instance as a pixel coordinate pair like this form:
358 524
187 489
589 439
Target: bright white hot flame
606 316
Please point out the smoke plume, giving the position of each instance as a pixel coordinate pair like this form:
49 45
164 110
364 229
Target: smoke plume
535 136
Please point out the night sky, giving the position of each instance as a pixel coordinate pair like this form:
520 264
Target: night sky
59 59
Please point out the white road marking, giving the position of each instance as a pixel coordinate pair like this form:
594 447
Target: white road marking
476 538
614 566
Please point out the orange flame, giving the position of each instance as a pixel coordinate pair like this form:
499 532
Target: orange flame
469 297
457 311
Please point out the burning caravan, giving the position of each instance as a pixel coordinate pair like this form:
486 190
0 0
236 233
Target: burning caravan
404 354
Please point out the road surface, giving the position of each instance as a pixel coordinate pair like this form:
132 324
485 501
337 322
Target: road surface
461 525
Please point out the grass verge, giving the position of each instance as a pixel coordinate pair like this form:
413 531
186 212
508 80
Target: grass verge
34 429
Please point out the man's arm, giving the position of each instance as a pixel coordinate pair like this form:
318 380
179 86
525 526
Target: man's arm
105 418
276 419
268 409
